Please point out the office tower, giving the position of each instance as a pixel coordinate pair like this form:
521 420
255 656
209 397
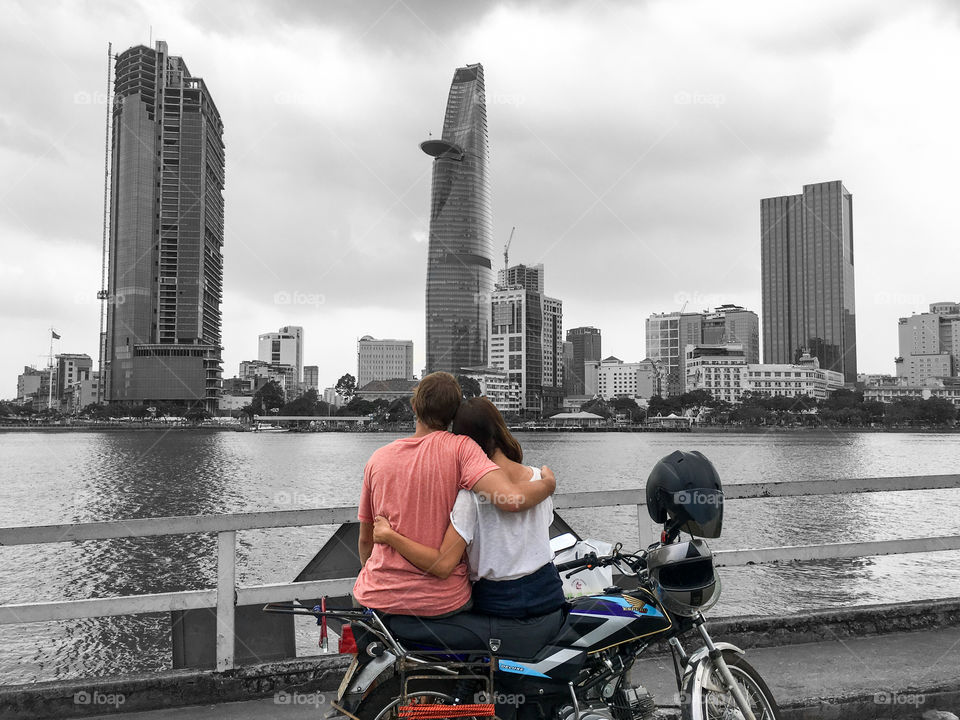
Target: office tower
929 344
460 252
586 348
311 377
733 324
383 360
162 340
806 246
526 342
284 347
529 276
667 334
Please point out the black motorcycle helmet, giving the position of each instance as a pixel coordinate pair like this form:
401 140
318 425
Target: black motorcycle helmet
685 487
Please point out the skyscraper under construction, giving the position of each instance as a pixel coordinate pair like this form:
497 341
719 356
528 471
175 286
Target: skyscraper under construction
165 278
459 263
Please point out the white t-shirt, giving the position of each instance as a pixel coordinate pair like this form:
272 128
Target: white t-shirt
503 545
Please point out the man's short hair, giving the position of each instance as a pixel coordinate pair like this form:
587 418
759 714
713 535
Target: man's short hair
436 399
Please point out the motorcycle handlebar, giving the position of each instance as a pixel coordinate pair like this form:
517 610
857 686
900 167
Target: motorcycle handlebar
586 561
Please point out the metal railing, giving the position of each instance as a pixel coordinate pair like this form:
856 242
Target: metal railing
227 596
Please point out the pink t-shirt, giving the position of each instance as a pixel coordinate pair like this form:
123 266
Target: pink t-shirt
413 482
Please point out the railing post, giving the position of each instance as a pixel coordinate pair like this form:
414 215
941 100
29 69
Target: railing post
648 532
226 597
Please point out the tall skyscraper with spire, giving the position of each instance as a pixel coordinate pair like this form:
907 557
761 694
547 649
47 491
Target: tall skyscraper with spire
460 253
162 341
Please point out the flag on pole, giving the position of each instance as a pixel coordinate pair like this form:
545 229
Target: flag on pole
53 334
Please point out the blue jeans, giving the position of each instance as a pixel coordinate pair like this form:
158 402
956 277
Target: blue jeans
538 593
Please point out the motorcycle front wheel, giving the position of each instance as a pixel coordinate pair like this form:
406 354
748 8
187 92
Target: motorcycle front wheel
706 696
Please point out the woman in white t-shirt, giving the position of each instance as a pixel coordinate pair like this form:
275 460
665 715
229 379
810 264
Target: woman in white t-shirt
508 554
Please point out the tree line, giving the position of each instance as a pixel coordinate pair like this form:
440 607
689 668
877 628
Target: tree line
842 408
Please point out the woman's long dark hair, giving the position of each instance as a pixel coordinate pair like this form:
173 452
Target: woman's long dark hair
478 418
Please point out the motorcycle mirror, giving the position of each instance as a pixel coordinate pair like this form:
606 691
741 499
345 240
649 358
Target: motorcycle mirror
563 542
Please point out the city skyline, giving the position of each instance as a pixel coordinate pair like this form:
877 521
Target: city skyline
599 184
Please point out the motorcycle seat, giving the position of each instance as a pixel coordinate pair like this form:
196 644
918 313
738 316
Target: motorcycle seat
473 632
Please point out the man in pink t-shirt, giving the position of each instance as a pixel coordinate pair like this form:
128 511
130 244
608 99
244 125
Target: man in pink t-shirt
413 482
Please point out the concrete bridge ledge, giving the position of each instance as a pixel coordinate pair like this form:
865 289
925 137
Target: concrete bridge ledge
170 689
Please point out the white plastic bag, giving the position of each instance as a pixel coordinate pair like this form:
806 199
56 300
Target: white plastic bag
585 582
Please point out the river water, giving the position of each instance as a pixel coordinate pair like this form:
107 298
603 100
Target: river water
50 478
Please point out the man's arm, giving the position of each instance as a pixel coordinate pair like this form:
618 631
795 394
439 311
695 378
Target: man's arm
365 543
497 487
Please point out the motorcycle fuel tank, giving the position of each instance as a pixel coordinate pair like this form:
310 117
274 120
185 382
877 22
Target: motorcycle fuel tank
598 622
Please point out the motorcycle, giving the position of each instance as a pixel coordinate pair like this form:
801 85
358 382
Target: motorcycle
582 673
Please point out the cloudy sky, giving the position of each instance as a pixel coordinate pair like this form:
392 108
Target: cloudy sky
631 144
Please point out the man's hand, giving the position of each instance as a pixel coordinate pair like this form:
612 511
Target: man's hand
382 530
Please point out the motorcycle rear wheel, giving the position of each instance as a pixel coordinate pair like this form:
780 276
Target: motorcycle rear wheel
383 700
705 696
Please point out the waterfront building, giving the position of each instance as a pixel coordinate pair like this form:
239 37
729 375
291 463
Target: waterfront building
581 419
393 389
732 324
612 378
261 372
163 339
80 392
929 344
497 387
284 347
383 360
944 388
33 387
807 268
526 342
585 347
716 368
311 377
722 371
70 369
460 247
649 379
667 334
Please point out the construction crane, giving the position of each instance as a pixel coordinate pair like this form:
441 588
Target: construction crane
506 249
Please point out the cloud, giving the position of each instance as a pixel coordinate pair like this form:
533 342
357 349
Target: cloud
630 146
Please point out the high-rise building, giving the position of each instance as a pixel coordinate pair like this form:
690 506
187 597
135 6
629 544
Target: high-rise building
729 324
383 360
526 342
586 348
529 276
929 344
284 347
806 250
162 340
667 335
460 251
311 377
